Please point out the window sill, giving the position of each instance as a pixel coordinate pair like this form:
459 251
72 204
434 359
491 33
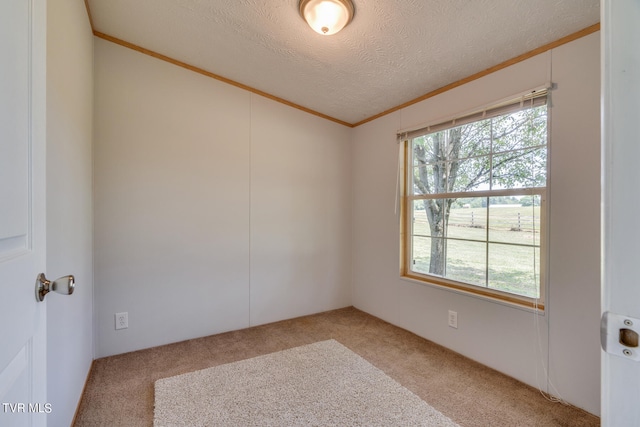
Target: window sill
528 305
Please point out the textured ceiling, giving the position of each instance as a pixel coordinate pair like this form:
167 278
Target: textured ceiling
393 52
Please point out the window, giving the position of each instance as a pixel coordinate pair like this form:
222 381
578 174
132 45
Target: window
474 202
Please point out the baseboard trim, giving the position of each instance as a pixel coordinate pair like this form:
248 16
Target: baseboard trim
84 388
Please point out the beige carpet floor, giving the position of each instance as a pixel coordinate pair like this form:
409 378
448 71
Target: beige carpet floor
120 389
320 384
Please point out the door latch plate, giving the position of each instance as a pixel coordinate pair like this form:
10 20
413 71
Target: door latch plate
619 335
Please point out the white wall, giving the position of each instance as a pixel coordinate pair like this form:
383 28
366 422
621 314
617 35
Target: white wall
509 339
574 333
215 209
300 213
69 204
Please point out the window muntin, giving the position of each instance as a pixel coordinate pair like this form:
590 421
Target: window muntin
474 205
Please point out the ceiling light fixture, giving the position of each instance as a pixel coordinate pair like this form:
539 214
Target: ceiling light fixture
327 17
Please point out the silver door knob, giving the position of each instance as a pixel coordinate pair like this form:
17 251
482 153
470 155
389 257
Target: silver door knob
63 285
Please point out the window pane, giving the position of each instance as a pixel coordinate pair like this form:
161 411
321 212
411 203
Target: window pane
538 159
438 146
429 148
419 141
428 219
422 150
511 222
470 174
475 139
429 179
520 169
519 130
535 131
466 261
531 222
420 222
426 255
468 219
514 269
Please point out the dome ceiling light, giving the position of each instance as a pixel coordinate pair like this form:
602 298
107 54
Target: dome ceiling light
327 17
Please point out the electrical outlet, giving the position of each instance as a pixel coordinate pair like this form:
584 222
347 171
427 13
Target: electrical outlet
453 319
122 320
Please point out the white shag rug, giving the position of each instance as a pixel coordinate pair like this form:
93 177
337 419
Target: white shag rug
321 384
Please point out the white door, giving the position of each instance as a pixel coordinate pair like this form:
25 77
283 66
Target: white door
22 212
621 206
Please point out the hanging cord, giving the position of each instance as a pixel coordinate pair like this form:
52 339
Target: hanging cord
552 395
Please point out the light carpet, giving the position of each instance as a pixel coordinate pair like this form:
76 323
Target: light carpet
320 384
